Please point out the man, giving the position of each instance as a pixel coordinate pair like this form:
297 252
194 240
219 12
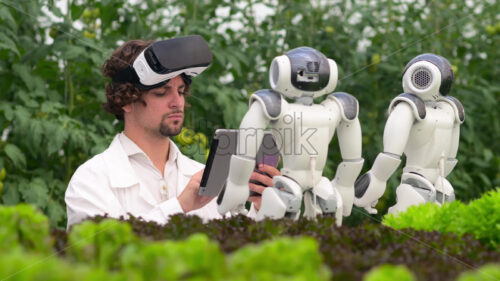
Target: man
142 172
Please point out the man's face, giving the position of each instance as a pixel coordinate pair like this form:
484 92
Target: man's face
163 114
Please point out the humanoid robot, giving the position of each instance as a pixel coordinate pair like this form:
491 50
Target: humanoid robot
302 130
424 124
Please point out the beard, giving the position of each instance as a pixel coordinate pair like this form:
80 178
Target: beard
167 130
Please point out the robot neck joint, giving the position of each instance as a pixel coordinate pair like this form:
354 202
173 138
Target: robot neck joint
304 100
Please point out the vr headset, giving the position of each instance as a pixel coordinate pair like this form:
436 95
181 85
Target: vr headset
163 60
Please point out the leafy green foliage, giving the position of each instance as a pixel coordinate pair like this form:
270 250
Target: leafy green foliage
100 244
266 250
281 259
18 265
24 227
481 218
424 217
349 252
110 244
196 257
489 272
192 144
389 272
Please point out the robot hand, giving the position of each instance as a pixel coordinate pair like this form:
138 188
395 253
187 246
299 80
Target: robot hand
347 195
340 208
368 190
232 198
346 174
371 186
235 193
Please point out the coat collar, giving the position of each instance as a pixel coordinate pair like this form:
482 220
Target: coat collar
121 174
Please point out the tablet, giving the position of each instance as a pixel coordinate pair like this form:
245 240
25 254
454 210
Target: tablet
217 166
224 145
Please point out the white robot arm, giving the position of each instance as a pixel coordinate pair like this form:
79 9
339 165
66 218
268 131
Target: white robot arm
451 160
349 136
452 153
236 192
371 186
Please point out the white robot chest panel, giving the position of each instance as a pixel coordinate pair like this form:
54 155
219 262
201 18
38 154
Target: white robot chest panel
302 125
431 138
304 132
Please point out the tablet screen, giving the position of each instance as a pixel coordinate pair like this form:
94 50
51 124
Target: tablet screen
217 167
223 146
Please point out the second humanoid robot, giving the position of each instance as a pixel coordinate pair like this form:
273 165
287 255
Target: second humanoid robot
303 131
424 124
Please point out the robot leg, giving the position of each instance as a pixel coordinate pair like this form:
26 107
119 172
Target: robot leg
329 199
413 190
284 199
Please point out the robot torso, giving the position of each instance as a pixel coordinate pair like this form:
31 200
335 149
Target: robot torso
303 134
430 140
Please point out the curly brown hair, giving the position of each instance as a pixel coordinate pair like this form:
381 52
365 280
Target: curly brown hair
121 94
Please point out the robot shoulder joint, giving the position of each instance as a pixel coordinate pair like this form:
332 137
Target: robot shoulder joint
348 104
457 107
416 103
270 100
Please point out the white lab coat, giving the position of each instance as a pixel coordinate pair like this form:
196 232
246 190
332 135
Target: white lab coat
107 184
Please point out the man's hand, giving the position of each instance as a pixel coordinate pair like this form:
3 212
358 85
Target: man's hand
189 198
265 179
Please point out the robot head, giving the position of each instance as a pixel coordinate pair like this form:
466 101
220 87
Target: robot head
303 72
428 76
